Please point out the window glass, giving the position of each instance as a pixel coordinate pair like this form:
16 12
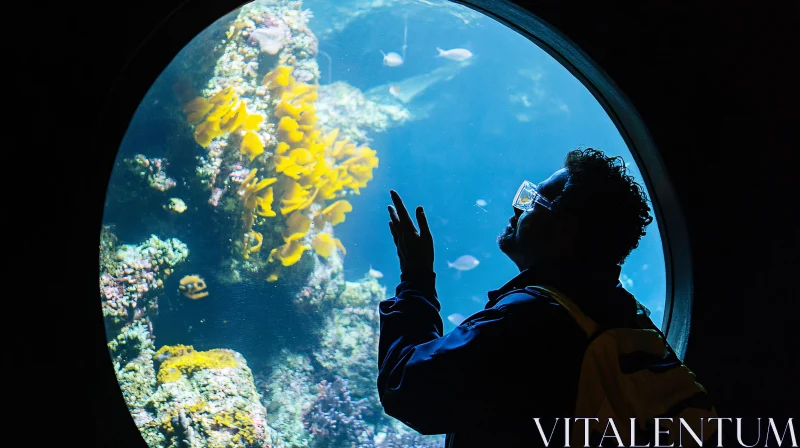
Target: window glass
245 244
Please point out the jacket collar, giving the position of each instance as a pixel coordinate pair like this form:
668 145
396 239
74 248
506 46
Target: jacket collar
575 280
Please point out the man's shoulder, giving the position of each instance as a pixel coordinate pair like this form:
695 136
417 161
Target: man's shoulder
524 298
532 313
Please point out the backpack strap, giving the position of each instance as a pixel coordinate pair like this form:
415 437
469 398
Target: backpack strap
589 326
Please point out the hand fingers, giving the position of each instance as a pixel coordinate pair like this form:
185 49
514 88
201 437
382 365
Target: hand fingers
394 233
397 241
395 219
422 220
397 229
405 219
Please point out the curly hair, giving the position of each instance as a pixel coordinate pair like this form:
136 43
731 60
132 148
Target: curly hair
600 191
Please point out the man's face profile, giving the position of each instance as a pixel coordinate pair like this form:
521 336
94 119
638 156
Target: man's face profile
529 236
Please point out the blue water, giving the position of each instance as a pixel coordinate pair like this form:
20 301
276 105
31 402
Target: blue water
472 146
512 115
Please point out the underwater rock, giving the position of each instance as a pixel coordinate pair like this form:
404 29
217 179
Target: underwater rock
269 40
132 353
130 275
336 419
207 399
349 337
153 170
288 392
343 106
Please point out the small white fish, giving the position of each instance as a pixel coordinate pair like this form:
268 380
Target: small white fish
455 54
480 203
456 318
392 59
394 91
464 263
477 299
375 273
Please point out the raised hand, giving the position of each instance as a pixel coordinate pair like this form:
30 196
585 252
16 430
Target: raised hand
414 248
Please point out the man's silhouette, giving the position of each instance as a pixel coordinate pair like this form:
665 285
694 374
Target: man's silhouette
483 383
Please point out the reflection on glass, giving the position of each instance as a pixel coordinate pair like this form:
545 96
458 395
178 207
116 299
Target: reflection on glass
245 245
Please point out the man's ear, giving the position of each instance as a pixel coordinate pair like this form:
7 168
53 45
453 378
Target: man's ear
567 231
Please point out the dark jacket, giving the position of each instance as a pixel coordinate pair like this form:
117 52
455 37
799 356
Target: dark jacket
483 383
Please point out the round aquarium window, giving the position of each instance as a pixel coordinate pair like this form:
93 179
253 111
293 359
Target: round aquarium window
245 244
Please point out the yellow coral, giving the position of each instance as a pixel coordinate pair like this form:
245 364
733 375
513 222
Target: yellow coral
233 118
324 244
330 138
282 148
286 108
224 96
264 203
343 148
289 253
252 236
224 113
251 185
287 130
251 145
295 197
196 109
241 423
315 168
300 92
299 162
297 225
252 122
173 350
334 213
279 78
207 131
190 361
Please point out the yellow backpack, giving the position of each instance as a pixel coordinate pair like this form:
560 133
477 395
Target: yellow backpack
633 373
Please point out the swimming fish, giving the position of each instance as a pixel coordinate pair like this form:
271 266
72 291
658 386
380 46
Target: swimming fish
193 287
394 91
455 54
464 263
456 318
392 59
375 273
175 205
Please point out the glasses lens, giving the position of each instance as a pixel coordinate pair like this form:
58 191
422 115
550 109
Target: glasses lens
525 196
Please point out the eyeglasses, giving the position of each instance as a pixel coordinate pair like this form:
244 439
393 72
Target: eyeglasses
527 195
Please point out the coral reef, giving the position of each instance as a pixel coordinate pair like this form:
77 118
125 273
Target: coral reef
132 353
268 163
335 419
324 284
205 399
256 122
349 338
130 275
153 170
345 107
403 438
305 170
290 389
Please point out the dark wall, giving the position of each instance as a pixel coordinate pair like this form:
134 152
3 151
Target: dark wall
713 84
715 87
